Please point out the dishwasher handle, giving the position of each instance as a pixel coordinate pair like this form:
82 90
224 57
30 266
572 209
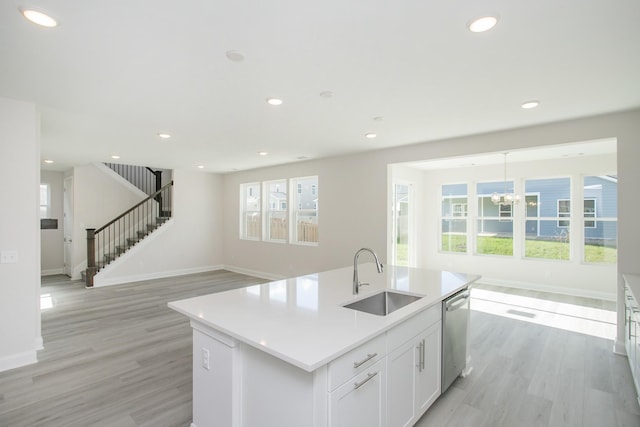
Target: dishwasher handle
457 301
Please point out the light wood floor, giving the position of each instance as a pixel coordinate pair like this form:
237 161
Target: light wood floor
117 356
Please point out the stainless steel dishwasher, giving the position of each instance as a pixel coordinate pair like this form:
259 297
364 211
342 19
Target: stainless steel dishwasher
455 318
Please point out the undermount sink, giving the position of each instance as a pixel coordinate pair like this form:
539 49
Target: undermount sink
382 303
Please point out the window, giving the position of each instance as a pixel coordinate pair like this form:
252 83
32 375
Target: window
275 219
495 222
250 211
600 236
589 212
454 213
305 217
547 218
506 211
564 211
45 200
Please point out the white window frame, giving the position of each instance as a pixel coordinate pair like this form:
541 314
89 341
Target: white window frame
456 215
245 190
296 210
274 206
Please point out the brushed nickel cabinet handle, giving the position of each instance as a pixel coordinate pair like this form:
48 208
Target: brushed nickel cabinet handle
362 362
364 381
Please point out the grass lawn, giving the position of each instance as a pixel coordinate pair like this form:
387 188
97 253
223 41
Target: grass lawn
533 248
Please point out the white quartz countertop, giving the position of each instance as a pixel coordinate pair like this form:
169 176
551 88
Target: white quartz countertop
633 281
301 320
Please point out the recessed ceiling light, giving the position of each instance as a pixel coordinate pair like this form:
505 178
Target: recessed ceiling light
274 101
234 55
48 161
115 157
370 135
530 104
164 135
200 166
482 24
262 153
39 18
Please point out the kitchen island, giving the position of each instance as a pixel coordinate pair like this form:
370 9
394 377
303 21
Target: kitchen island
288 353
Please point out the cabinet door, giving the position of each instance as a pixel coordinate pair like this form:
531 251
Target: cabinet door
428 374
402 366
360 402
627 324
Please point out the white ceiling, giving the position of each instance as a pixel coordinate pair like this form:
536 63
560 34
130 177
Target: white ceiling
116 73
559 151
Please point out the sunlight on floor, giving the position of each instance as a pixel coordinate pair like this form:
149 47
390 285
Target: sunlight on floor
597 322
46 301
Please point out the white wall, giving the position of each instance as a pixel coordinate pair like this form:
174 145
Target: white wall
51 241
353 195
99 195
19 231
349 219
190 242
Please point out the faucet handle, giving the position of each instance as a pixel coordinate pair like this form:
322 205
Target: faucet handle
363 284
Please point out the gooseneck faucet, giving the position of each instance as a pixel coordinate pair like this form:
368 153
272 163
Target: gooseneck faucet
356 282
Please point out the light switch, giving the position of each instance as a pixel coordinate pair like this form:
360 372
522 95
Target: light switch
8 257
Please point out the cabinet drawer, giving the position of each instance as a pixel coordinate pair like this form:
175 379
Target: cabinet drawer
413 326
356 361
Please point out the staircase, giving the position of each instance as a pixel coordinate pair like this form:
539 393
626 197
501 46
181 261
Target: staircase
112 240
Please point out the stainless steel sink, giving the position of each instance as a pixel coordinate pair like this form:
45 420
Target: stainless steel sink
382 303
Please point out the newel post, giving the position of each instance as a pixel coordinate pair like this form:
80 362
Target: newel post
91 257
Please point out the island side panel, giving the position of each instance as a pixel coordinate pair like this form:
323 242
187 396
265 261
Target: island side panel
216 381
276 393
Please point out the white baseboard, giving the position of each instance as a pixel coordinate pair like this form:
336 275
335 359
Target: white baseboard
99 282
619 348
17 360
548 288
52 272
254 273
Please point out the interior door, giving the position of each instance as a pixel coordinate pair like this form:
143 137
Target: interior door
68 225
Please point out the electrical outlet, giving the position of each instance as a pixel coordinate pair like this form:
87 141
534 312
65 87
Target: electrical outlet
205 359
8 257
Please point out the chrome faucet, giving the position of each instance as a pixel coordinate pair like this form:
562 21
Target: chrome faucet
356 282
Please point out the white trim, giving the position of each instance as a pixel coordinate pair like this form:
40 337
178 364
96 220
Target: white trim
149 276
549 288
17 360
619 348
38 343
254 273
52 271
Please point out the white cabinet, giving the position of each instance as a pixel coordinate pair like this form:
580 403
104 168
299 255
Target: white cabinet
428 378
360 402
414 371
388 381
632 335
